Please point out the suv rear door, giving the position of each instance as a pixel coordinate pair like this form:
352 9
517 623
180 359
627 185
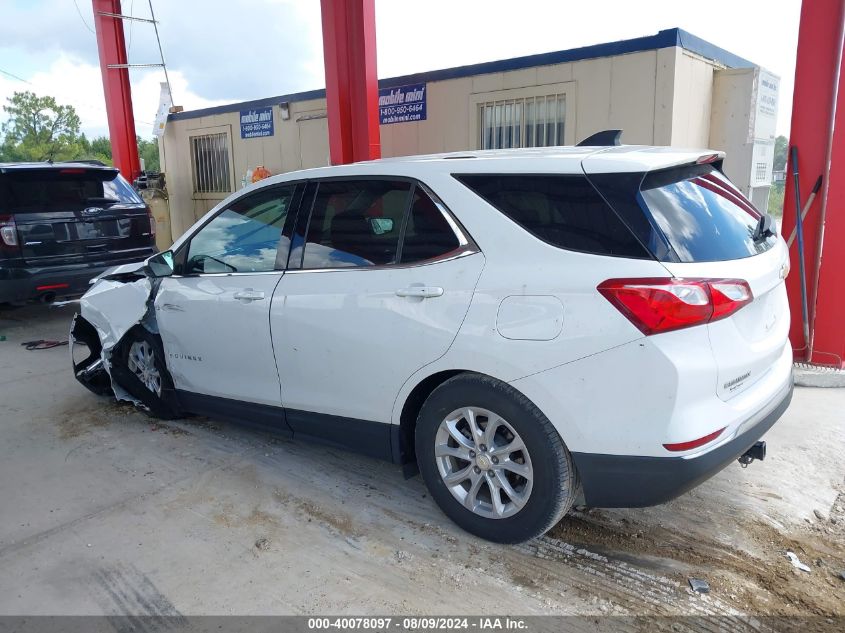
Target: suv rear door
75 214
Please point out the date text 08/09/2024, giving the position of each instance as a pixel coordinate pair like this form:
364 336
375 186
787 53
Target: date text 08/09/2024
418 623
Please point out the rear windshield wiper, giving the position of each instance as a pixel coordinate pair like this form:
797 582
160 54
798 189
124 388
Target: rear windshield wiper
764 228
97 200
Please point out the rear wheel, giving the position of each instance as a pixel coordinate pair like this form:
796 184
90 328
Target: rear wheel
143 373
492 461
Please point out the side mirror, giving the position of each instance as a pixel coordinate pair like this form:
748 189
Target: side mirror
160 265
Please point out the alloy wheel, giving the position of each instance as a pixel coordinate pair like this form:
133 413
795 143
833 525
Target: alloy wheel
141 362
484 462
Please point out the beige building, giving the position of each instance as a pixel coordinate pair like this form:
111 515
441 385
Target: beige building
667 89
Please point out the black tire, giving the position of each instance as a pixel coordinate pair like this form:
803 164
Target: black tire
555 480
164 405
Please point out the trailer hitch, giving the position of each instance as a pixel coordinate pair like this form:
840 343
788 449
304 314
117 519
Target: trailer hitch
758 451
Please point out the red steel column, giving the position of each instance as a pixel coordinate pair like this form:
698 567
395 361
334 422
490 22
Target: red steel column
112 48
818 130
349 49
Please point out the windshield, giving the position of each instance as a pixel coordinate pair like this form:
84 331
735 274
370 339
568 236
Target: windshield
702 215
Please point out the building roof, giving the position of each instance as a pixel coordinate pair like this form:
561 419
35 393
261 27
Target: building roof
666 38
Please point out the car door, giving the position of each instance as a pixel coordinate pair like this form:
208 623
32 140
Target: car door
378 285
214 312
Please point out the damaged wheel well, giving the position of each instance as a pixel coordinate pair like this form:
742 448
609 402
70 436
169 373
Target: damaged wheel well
89 371
161 406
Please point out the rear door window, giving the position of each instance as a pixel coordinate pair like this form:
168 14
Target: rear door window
355 223
428 233
562 210
703 216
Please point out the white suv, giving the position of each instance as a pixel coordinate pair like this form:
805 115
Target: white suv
604 326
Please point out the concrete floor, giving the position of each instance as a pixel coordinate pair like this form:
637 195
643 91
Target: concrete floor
106 511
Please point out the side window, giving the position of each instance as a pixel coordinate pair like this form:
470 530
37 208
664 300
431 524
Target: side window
246 237
564 211
427 234
355 223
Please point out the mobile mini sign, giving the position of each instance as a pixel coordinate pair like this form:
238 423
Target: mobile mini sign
402 104
257 122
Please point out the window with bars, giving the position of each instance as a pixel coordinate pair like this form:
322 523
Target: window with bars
761 171
210 156
526 122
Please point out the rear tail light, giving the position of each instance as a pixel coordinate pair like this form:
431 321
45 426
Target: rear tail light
152 221
8 231
728 296
52 287
701 441
656 305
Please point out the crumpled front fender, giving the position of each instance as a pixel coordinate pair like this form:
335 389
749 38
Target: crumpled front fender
109 309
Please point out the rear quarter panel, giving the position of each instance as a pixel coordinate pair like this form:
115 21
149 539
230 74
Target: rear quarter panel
520 265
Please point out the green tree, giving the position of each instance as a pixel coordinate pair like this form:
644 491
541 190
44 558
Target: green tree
148 150
39 129
98 148
776 201
781 147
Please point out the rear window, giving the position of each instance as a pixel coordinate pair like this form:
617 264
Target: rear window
703 217
562 210
54 190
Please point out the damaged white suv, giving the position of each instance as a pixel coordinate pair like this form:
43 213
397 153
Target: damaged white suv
604 325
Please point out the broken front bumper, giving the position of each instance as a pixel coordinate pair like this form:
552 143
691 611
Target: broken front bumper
108 311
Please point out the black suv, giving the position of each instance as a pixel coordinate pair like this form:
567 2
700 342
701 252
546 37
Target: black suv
63 224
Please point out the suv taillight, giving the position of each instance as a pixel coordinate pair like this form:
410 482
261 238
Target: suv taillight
657 305
8 231
152 221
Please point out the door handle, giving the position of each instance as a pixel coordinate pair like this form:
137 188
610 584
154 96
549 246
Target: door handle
248 294
423 292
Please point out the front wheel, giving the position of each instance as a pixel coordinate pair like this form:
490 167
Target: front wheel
492 461
142 372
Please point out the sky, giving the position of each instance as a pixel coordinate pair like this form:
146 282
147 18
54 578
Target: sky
222 51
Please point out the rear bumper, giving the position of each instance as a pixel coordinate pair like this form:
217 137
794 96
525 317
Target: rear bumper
20 284
624 481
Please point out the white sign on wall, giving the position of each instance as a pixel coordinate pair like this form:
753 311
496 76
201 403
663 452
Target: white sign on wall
764 125
164 104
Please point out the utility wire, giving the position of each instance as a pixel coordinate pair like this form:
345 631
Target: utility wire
131 22
161 53
81 17
83 102
14 76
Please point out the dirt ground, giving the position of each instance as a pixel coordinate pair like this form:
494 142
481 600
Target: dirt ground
106 511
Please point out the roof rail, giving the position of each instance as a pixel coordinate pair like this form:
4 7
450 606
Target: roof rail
602 139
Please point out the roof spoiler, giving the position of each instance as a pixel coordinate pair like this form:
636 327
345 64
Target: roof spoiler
85 161
602 139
